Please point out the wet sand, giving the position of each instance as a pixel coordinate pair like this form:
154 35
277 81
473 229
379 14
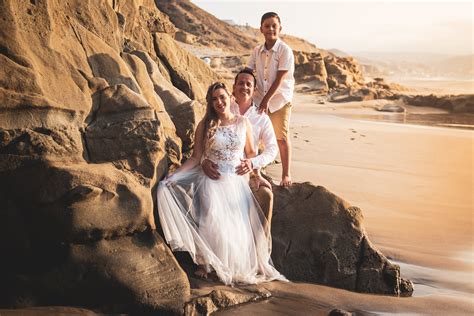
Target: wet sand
414 185
310 299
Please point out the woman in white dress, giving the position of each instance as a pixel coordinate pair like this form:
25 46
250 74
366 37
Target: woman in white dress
219 221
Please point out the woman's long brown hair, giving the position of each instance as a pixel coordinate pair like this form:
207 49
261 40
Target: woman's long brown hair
211 120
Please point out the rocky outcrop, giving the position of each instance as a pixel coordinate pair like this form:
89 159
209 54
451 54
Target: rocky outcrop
85 134
319 238
315 72
376 89
188 73
343 72
97 103
310 69
326 73
137 20
74 231
454 103
184 112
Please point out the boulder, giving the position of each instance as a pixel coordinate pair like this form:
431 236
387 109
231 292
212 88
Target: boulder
222 299
455 103
310 69
319 238
395 108
353 94
339 312
345 71
88 228
363 93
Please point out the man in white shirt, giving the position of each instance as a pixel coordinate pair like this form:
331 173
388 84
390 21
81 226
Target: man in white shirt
263 134
274 64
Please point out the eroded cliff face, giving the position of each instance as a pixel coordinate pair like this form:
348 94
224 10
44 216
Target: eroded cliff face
97 102
90 121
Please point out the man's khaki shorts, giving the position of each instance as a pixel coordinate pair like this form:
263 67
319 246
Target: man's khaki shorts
281 121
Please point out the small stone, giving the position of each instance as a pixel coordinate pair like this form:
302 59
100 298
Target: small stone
339 312
406 287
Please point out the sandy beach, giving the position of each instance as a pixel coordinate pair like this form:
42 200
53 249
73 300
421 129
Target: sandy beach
414 185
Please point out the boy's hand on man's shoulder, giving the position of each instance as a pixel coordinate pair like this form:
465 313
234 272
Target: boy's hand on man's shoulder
263 108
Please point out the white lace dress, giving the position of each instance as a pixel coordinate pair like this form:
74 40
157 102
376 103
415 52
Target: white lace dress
218 222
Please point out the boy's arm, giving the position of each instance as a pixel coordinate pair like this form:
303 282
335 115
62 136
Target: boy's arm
270 150
273 88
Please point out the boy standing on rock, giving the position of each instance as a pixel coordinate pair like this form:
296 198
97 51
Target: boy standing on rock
274 65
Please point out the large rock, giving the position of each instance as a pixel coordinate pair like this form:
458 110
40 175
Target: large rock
319 238
125 131
88 230
138 20
310 69
84 137
188 73
375 89
343 72
184 112
222 299
455 103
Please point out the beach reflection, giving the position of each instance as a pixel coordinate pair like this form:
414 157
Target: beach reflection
464 121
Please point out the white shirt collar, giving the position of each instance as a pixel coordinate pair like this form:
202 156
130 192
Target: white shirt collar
251 108
274 48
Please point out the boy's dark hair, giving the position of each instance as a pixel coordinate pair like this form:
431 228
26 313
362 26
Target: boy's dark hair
269 15
247 71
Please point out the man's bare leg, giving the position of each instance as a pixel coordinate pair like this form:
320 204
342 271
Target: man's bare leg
264 197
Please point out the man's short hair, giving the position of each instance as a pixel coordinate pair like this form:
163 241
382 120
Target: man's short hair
269 15
247 71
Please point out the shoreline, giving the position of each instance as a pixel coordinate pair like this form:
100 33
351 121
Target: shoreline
413 182
367 111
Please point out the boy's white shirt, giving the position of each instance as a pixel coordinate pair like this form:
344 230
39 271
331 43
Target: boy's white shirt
262 132
267 63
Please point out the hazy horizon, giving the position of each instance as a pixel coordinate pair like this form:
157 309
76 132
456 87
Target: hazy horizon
377 27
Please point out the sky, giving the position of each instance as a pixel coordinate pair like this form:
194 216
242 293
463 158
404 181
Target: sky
439 27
